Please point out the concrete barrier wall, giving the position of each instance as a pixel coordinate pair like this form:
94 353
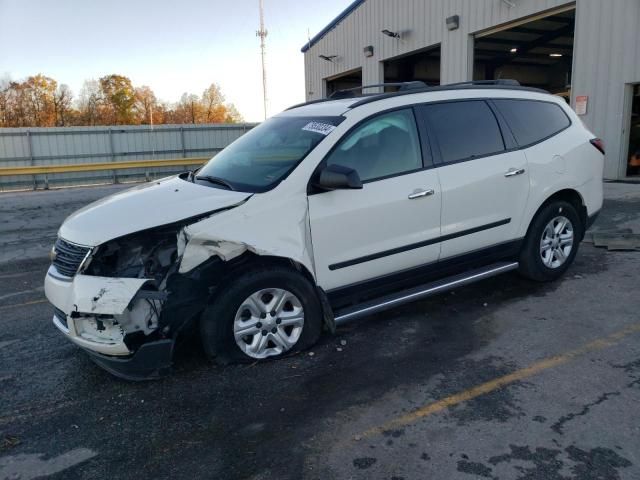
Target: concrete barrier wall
74 145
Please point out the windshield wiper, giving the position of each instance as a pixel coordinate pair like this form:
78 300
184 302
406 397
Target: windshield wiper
216 180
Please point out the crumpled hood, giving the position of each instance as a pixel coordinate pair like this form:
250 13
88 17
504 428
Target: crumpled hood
145 206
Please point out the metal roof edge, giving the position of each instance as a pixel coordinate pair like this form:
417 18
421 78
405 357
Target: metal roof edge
345 13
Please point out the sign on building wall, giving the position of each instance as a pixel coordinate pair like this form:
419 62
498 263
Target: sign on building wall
581 104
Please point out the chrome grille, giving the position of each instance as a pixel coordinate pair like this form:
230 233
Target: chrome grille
68 257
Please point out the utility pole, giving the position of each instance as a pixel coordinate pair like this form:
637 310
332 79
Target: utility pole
262 33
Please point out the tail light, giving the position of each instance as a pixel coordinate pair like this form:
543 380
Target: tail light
599 144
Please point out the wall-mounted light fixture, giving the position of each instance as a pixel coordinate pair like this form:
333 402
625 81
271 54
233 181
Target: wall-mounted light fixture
328 58
391 34
453 22
368 51
514 50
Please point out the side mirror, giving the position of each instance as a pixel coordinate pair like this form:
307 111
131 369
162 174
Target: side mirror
337 177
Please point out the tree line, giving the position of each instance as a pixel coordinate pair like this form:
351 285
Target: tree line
40 101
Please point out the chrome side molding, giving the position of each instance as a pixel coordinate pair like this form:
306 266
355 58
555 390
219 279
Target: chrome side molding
423 291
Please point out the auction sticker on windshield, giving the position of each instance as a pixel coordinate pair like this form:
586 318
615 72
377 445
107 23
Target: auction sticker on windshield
317 127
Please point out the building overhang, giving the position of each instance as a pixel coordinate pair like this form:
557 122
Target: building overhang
334 23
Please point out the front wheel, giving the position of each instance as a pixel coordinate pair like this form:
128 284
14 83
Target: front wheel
551 243
263 313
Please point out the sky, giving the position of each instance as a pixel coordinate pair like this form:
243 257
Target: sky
171 46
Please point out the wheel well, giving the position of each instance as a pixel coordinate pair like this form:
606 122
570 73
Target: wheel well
249 260
570 196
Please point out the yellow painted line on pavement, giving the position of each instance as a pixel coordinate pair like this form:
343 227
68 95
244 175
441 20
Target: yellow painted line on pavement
497 383
15 305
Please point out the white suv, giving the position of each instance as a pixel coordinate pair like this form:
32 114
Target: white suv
327 212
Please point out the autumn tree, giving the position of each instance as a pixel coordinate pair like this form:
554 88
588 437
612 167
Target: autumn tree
17 105
146 105
213 107
233 115
38 94
62 104
118 96
161 113
189 109
112 100
89 103
4 101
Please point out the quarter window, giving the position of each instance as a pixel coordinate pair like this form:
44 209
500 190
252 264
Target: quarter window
464 129
532 121
384 146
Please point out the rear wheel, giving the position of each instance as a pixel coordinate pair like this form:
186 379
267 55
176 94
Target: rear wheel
262 314
551 243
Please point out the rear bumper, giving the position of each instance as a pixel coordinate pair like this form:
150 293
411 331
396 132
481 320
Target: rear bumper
152 360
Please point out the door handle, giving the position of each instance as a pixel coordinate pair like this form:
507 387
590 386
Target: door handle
421 193
512 172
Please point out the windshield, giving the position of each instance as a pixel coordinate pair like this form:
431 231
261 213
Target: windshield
264 156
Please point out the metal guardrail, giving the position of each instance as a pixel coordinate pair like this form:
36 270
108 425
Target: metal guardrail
65 148
92 167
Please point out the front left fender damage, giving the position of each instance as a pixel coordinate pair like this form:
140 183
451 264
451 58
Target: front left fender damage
278 228
143 290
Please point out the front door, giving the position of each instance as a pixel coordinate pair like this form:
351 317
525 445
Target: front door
389 224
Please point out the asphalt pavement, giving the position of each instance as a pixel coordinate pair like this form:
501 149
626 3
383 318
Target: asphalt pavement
503 379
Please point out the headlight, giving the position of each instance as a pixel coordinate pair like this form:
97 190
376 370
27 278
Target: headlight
146 254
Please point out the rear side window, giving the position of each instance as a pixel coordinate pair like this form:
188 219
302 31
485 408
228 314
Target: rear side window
464 130
532 121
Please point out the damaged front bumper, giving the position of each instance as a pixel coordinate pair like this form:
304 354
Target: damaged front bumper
152 360
98 313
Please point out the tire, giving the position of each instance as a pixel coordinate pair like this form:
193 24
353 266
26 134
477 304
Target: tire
550 264
223 322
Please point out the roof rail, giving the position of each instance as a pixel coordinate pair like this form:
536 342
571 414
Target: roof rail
418 87
508 82
310 102
481 84
349 92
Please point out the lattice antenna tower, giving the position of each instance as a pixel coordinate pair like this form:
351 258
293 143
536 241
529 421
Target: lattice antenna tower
262 34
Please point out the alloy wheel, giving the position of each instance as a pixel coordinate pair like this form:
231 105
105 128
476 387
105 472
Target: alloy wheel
268 322
556 242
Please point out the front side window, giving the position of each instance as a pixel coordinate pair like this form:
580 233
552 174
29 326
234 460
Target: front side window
532 121
384 146
264 156
464 130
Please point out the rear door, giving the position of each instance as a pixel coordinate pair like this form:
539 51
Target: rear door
393 222
484 179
